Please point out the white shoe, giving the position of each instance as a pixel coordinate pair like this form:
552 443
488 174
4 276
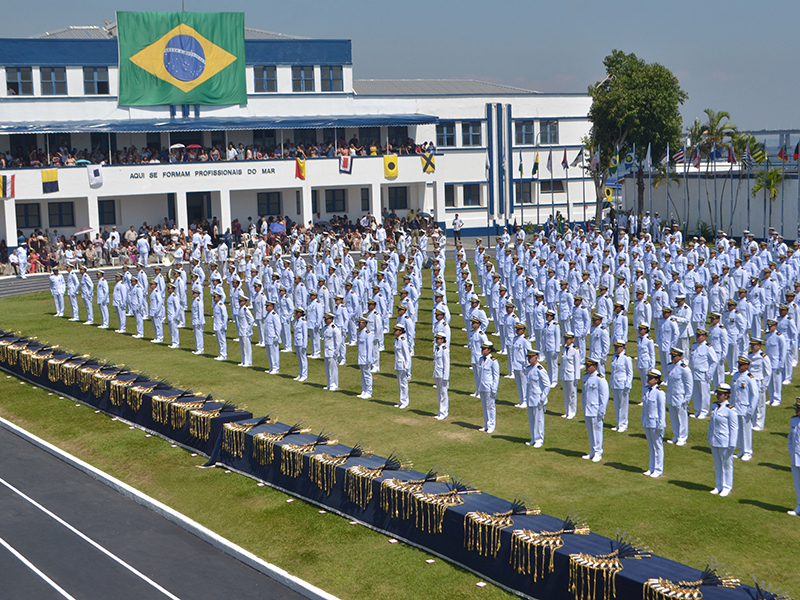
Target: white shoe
597 458
538 444
587 457
326 388
622 430
333 389
746 457
475 395
88 323
367 396
670 441
315 356
715 491
681 443
218 358
286 351
240 365
103 327
138 337
520 405
235 339
509 376
613 429
655 474
260 345
303 379
439 418
724 493
297 378
692 416
154 342
274 372
196 352
173 346
702 416
791 513
647 473
490 430
570 417
482 429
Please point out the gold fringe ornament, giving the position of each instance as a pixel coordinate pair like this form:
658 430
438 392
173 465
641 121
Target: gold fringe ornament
358 479
292 454
664 589
482 530
264 443
428 509
532 552
178 410
590 575
322 467
396 493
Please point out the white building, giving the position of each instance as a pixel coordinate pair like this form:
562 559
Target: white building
60 89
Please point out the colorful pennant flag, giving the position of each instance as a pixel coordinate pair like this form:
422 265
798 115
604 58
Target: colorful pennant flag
595 160
680 156
783 154
747 158
648 160
578 158
8 186
564 163
390 166
550 161
521 170
731 155
612 168
346 164
759 155
300 168
428 163
796 154
535 166
696 157
49 181
95 174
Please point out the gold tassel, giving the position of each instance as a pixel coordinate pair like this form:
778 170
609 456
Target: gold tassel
86 375
482 531
13 352
396 496
263 447
200 422
586 571
101 383
542 544
322 470
429 509
117 393
233 438
55 367
358 484
292 458
179 411
68 373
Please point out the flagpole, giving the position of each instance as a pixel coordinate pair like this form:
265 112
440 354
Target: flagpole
766 168
566 174
552 191
584 192
716 198
783 178
669 199
749 162
730 183
685 201
699 209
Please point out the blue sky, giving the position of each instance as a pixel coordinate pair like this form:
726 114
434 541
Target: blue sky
736 56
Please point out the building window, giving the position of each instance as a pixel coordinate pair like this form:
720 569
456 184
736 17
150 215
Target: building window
269 204
544 187
307 137
365 200
95 80
28 216
314 202
302 79
397 135
472 194
108 212
62 214
298 200
369 136
54 81
549 131
446 134
449 194
522 192
398 198
265 79
334 201
471 133
523 132
332 79
19 81
263 138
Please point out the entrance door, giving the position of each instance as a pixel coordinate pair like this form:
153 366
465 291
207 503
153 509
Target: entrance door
198 206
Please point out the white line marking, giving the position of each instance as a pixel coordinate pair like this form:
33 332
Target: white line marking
89 540
33 568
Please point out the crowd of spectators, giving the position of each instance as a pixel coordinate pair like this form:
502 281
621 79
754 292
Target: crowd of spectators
63 156
111 247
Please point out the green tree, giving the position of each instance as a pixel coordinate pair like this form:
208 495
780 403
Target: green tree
769 179
637 103
717 132
740 142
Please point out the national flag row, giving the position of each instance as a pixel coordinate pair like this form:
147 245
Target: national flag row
8 183
391 168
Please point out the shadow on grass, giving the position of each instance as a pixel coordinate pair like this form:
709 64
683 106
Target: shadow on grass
705 449
461 392
565 452
623 467
780 433
383 402
763 505
423 413
638 435
465 425
420 357
689 485
511 438
776 467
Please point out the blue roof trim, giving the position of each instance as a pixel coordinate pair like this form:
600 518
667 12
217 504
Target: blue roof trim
94 53
216 124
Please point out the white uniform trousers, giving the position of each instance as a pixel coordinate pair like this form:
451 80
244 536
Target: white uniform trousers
73 304
332 373
158 329
376 355
582 348
274 354
489 411
796 480
761 405
139 324
174 333
723 467
701 397
522 385
246 350
59 300
366 379
444 400
552 363
402 385
745 440
314 335
121 318
287 336
679 420
302 362
570 397
622 398
89 310
536 423
103 314
476 374
655 445
222 342
259 323
199 344
718 376
775 389
594 427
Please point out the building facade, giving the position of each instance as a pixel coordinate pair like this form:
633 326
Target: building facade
60 90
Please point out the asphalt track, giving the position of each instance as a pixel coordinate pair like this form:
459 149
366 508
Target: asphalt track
64 534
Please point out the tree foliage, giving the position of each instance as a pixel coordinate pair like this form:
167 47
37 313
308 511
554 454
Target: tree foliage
637 103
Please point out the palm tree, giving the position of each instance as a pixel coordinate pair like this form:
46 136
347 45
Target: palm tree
768 179
665 174
714 132
740 142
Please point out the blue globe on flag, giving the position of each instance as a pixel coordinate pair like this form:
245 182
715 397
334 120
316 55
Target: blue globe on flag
184 58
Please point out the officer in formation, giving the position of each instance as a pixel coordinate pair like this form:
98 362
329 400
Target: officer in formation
102 299
331 341
157 313
654 422
244 330
58 288
488 382
120 302
272 337
595 402
364 341
620 383
87 293
537 388
402 363
198 322
723 431
794 454
441 372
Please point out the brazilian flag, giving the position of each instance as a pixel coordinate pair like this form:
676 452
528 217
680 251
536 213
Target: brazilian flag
181 58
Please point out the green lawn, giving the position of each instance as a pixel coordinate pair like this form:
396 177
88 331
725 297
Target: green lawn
675 515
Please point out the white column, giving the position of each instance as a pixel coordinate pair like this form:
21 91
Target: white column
224 211
10 214
306 208
93 211
375 200
438 203
181 211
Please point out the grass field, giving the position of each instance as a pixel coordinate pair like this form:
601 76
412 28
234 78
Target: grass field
675 516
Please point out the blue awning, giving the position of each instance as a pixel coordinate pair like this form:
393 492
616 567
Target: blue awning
216 124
